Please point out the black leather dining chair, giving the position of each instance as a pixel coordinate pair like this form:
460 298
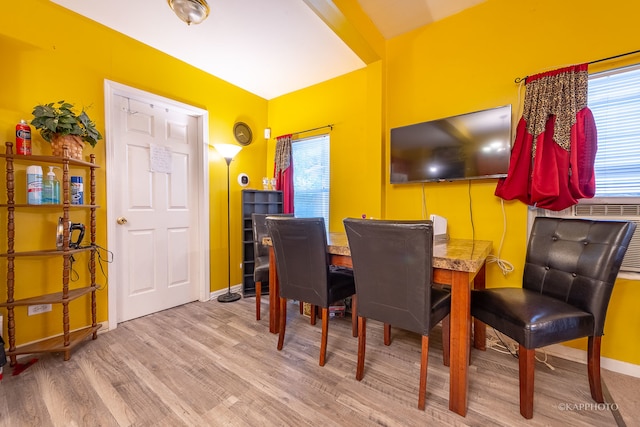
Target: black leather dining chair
393 270
570 269
304 272
260 254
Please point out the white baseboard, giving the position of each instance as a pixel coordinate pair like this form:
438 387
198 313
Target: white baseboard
216 294
104 328
580 356
575 355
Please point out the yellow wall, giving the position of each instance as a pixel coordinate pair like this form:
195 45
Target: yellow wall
50 53
465 63
352 103
468 62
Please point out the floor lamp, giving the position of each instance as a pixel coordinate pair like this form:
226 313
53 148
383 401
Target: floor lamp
228 151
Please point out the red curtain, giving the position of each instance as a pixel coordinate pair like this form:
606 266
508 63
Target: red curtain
556 141
283 171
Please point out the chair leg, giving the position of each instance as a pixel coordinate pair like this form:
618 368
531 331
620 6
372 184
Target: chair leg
354 316
325 332
283 321
387 334
479 335
258 293
424 360
446 332
301 307
593 368
313 314
526 362
362 343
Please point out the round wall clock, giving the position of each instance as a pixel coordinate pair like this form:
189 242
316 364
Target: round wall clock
242 133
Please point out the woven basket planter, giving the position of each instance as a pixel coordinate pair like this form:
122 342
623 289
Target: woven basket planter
74 144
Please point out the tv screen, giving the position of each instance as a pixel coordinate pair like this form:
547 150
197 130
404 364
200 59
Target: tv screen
468 146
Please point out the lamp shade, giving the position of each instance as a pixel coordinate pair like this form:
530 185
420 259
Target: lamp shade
228 151
190 11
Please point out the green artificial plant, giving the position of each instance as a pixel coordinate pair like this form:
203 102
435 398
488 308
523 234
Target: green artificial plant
60 119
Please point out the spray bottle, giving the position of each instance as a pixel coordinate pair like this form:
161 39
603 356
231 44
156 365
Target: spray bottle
51 188
34 185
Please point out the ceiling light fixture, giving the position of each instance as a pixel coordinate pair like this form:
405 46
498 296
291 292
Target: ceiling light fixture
190 11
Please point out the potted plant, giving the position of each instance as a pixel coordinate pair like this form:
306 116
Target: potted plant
59 125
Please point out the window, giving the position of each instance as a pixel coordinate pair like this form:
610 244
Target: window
311 177
614 99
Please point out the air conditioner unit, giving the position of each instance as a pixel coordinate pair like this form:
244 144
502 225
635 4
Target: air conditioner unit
603 211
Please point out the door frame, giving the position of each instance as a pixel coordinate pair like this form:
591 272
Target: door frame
111 90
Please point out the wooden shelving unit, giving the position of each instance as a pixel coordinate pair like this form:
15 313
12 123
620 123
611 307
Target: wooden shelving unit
68 339
255 201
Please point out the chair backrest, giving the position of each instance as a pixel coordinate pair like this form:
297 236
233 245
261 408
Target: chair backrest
577 261
300 246
259 225
392 266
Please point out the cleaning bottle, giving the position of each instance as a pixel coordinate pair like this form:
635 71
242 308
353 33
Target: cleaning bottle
34 185
51 188
77 190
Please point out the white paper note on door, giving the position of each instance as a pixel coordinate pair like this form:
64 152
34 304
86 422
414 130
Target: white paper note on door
160 160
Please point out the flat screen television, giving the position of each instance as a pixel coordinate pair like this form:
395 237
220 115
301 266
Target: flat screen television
467 146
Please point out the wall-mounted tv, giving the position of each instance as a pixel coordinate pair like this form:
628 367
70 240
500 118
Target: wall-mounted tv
467 146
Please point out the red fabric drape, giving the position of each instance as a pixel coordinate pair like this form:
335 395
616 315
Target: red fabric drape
556 141
283 171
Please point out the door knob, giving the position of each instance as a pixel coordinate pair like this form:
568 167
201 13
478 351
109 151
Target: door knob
121 220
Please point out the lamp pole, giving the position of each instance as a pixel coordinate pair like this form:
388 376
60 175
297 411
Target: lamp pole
228 151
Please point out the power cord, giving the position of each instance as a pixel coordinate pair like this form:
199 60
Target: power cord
99 250
504 346
473 227
497 343
545 359
108 260
505 266
73 273
424 203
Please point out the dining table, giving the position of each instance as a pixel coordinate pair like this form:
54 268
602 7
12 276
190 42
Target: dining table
458 263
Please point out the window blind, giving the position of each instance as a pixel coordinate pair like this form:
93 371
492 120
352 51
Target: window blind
614 99
311 173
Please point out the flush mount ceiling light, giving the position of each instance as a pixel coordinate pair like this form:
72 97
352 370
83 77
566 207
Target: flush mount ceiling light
190 11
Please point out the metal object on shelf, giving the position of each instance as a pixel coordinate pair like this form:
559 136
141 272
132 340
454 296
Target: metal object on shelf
60 234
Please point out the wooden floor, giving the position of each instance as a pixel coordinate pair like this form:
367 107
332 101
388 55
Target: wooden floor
212 364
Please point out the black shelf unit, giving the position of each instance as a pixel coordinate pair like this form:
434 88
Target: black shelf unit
255 201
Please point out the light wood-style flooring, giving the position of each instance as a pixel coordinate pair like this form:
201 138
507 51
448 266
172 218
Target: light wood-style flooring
212 364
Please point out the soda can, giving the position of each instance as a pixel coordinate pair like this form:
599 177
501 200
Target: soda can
23 138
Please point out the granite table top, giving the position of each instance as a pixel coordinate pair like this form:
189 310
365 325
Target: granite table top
452 254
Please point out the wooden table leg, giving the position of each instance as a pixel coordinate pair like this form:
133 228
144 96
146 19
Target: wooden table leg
460 341
479 328
274 290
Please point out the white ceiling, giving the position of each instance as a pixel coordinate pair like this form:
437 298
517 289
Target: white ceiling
393 18
267 47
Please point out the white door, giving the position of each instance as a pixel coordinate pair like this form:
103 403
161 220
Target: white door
156 207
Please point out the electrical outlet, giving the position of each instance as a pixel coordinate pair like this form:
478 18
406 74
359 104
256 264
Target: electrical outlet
38 309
